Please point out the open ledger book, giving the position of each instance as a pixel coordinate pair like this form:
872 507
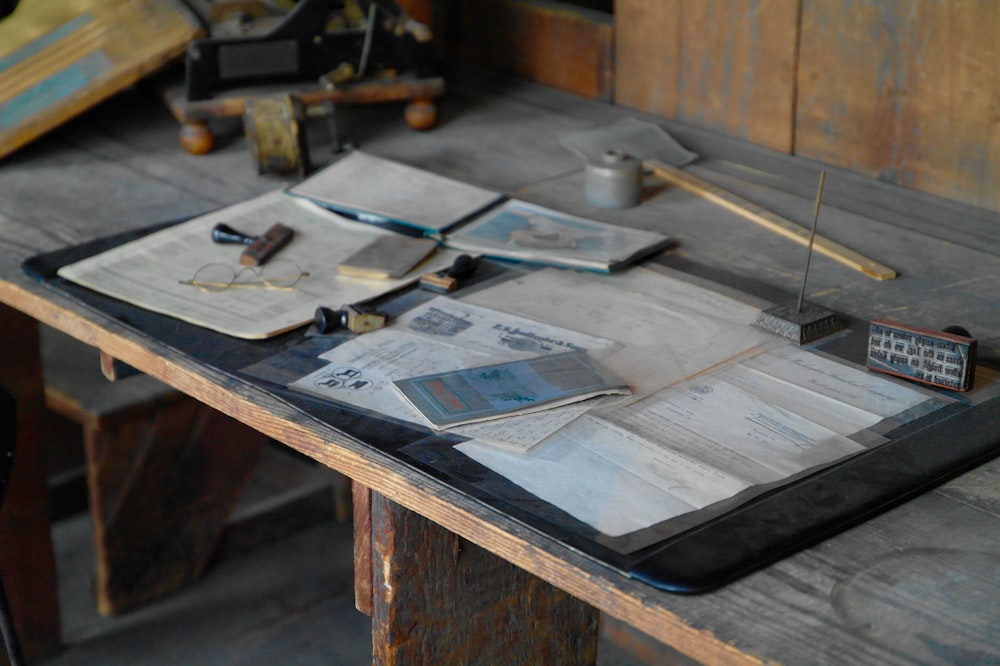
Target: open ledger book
377 190
528 232
472 219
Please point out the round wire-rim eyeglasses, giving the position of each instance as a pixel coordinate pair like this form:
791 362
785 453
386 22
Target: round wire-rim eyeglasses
281 275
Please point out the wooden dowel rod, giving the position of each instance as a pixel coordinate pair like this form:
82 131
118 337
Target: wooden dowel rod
769 220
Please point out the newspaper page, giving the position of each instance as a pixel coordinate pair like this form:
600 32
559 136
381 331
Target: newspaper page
156 272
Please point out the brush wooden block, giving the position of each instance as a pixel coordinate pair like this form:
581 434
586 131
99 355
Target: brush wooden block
387 257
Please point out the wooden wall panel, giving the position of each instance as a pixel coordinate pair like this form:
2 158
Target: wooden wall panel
421 10
554 43
726 65
904 91
647 55
901 90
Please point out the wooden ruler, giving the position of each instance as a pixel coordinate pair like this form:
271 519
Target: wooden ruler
769 220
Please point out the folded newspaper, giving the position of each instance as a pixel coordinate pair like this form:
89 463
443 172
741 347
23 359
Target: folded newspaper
448 399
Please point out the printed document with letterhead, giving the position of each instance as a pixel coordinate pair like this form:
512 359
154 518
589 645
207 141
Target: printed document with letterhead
665 330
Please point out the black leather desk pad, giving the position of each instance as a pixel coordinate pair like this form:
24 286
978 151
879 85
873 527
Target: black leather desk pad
720 547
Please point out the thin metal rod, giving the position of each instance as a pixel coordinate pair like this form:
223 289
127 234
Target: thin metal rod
812 238
9 632
367 44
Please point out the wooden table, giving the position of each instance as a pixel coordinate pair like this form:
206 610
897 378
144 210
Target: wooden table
919 584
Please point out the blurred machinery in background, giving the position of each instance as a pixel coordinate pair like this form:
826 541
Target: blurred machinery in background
270 61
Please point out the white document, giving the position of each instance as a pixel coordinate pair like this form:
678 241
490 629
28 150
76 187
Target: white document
151 272
676 470
667 330
498 333
850 386
443 335
577 480
735 431
360 371
520 433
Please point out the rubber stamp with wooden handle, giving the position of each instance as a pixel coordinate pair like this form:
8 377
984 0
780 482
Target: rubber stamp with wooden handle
259 248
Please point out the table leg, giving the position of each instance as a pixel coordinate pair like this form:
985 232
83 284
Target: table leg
361 499
27 561
439 599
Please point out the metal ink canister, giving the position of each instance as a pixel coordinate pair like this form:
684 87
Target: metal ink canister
614 180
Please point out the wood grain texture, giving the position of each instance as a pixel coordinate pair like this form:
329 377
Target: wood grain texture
904 92
644 649
162 484
647 55
361 497
121 168
550 42
284 495
726 65
438 599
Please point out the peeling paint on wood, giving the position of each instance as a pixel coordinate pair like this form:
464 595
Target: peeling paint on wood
904 92
727 66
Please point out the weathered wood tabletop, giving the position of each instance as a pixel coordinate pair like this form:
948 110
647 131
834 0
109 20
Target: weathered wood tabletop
918 584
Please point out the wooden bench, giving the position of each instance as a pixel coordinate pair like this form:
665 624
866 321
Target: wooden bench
170 483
